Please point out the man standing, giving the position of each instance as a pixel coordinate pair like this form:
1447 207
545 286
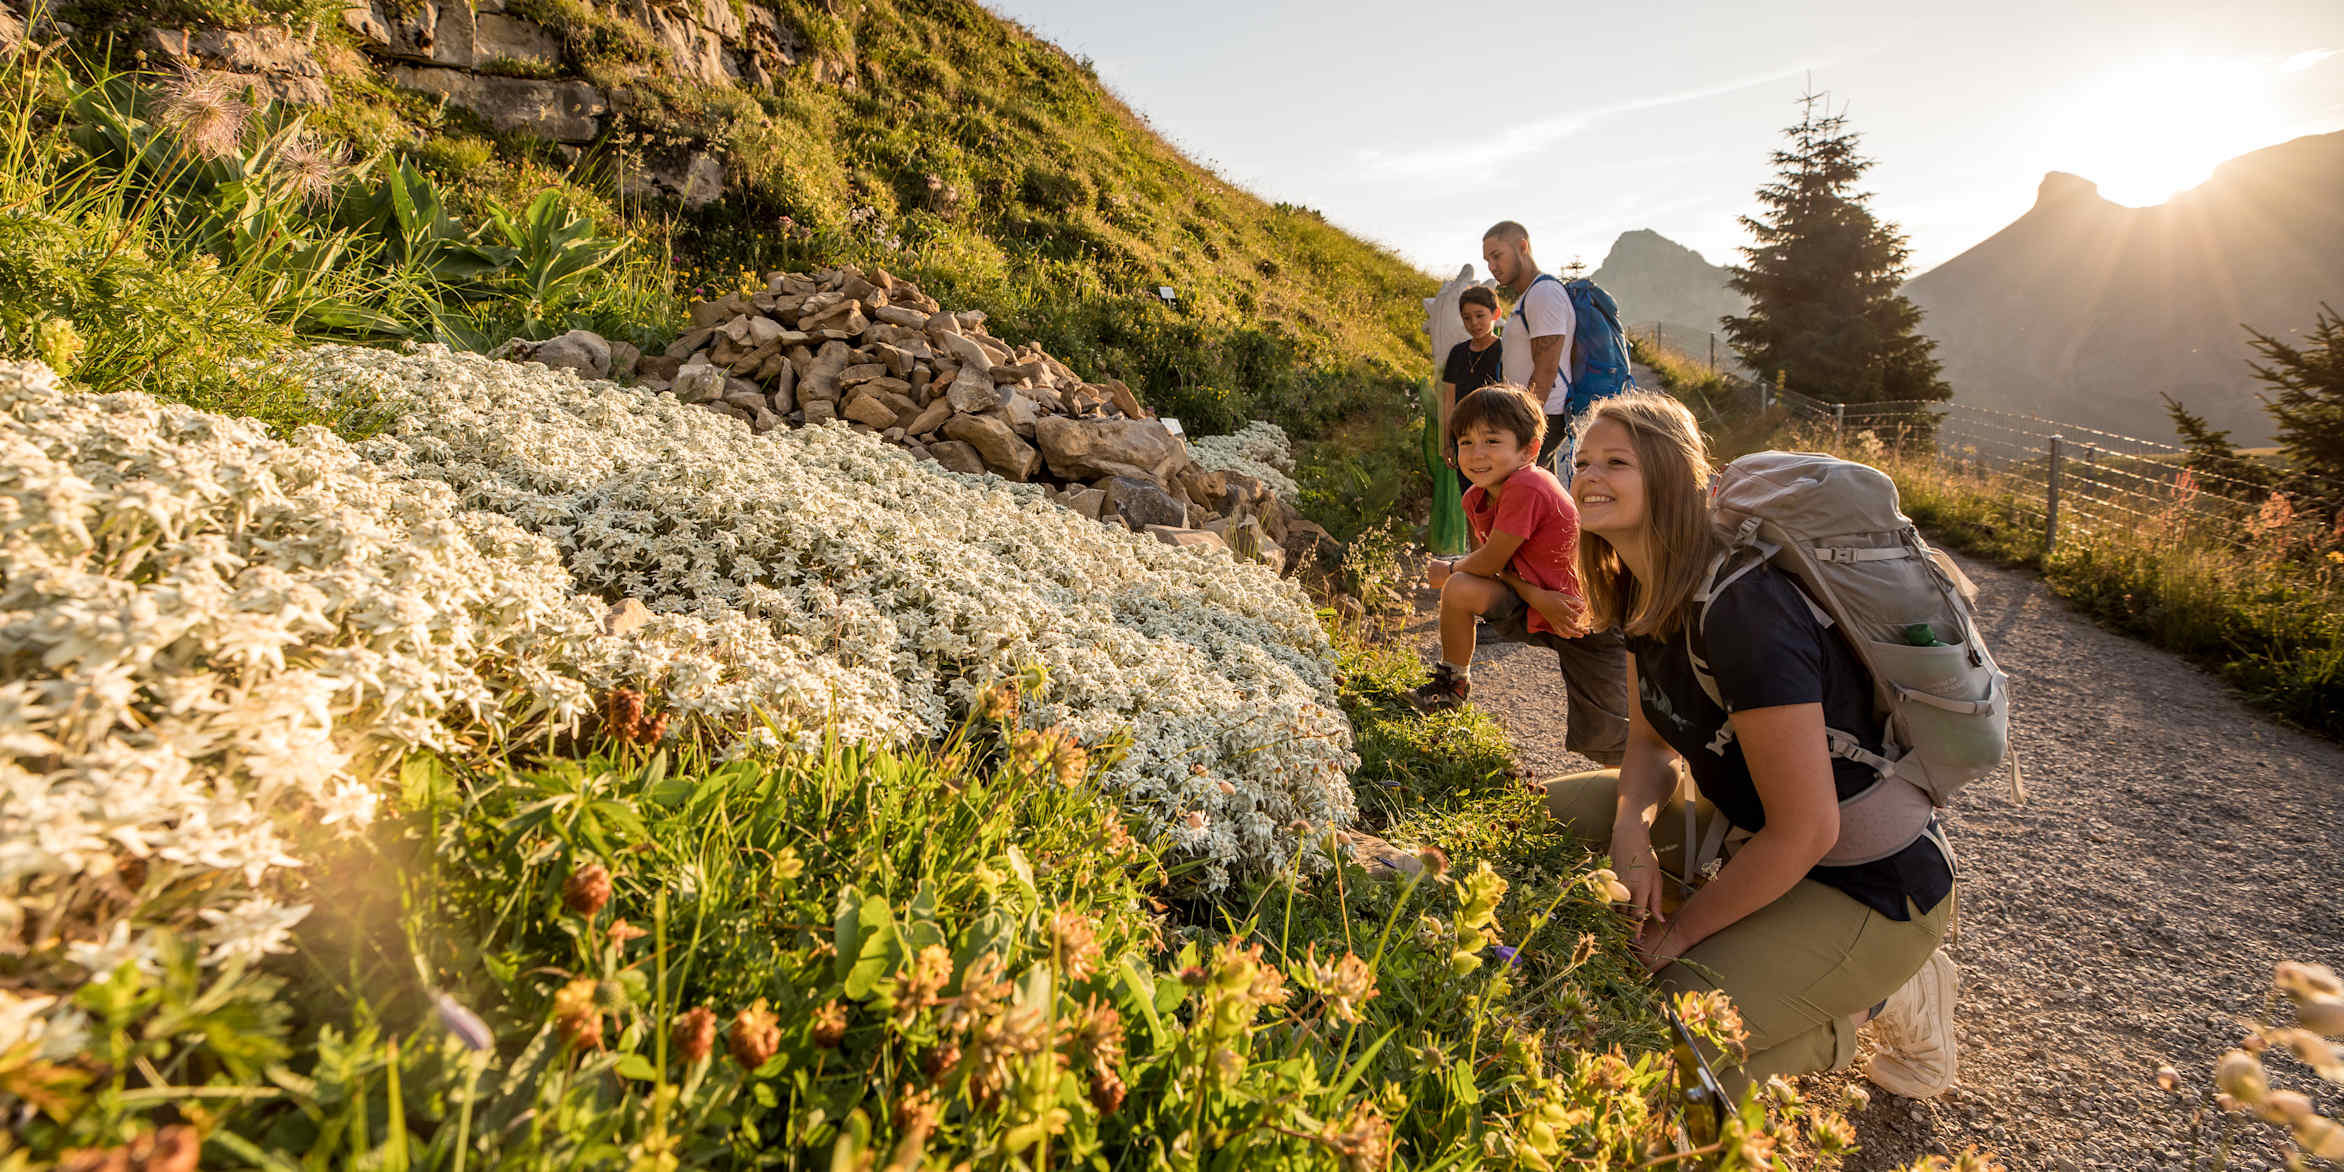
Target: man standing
1537 346
1538 333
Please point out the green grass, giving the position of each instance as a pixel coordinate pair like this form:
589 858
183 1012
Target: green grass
815 893
1054 208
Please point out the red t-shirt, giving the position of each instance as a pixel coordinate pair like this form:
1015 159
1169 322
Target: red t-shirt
1533 507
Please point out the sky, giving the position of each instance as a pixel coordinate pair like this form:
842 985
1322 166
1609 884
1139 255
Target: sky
1418 125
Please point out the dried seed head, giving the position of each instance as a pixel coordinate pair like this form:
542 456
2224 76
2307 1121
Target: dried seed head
694 1034
914 1109
999 702
2297 979
1343 985
1076 939
1854 1099
205 111
2287 1107
576 1015
829 1025
587 890
1363 1142
1107 1091
309 171
2240 1075
1434 860
2320 1137
2321 1015
755 1036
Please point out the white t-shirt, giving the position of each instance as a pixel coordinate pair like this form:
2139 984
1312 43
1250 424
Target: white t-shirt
1542 312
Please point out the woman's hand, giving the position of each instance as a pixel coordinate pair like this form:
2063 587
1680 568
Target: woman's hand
1436 571
1657 945
1639 871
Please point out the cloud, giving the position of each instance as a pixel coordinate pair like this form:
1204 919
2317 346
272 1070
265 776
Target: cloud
1515 142
2305 60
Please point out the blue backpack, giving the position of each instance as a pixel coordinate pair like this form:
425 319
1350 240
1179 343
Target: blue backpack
1599 350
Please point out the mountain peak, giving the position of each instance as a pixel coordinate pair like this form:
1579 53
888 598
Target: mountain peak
1649 241
2061 187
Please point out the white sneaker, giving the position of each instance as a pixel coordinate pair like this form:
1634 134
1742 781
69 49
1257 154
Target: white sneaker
1913 1053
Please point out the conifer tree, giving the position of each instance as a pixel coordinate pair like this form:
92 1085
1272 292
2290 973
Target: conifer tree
2307 400
2211 452
1825 315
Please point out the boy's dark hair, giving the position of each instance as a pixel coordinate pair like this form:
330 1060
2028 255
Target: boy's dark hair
1478 295
1503 406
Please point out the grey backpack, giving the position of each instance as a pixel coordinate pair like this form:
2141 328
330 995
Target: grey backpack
1834 526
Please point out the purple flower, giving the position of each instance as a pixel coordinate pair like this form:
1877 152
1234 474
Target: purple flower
1512 957
463 1023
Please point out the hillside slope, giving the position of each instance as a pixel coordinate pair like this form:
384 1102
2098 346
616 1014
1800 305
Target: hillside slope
2085 310
928 136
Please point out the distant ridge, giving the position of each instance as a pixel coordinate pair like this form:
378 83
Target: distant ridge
2085 310
1656 279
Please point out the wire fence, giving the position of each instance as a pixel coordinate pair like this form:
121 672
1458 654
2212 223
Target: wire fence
2068 478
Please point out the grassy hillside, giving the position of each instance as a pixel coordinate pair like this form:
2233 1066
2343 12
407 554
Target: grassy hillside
948 145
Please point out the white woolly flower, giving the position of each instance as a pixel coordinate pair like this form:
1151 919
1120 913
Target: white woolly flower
1260 449
821 577
250 930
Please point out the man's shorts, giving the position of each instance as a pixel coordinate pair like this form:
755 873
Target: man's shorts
1595 678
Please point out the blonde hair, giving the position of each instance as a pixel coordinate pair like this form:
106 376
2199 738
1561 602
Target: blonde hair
1674 461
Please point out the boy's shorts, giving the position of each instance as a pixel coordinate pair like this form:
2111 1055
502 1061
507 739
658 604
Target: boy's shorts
1595 678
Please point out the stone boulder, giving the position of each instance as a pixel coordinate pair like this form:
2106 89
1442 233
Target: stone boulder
957 456
1087 449
580 350
1004 453
1142 503
564 111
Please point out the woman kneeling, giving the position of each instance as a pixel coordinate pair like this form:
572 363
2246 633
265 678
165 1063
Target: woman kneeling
1808 952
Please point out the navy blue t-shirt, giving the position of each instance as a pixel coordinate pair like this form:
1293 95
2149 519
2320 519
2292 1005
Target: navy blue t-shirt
1766 649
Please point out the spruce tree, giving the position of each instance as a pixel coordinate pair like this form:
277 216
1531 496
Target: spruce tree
2307 400
1825 315
2211 453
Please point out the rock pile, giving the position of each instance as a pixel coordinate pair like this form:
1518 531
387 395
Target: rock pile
876 352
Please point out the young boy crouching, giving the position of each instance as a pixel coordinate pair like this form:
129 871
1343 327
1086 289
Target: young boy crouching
1520 577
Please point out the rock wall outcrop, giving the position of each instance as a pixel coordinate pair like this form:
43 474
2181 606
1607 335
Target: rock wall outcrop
513 73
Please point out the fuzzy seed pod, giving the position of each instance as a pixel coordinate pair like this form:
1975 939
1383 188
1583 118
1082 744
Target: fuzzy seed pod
2320 1137
587 890
2321 1015
694 1035
755 1036
1107 1091
830 1025
2240 1075
577 1016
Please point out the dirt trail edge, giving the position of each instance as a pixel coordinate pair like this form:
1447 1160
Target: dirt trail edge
2175 846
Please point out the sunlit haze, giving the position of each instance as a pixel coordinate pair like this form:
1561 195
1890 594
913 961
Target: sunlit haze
1585 121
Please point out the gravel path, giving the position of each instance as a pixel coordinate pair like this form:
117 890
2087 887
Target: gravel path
2175 846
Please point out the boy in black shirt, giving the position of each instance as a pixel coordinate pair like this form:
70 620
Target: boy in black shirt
1474 363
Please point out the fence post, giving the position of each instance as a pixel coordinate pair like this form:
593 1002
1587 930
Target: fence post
1839 421
2051 498
1713 353
1659 337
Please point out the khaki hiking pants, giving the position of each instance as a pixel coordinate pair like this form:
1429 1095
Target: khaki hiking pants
1801 970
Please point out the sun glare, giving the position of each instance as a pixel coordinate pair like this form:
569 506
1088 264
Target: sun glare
2147 131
